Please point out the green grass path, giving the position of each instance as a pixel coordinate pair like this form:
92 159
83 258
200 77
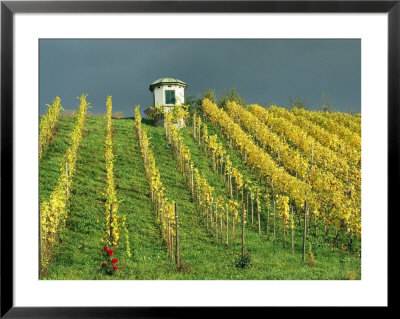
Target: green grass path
150 259
77 255
49 165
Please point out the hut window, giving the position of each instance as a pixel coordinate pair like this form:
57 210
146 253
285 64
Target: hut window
169 97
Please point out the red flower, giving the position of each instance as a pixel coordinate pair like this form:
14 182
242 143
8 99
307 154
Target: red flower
105 248
110 252
103 265
115 267
114 261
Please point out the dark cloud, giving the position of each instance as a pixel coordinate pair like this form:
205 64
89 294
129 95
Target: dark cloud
263 71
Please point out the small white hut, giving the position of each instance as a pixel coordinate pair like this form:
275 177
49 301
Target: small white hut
168 92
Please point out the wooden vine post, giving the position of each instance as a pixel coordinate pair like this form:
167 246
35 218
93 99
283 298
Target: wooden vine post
66 173
243 230
227 226
306 207
168 235
194 126
259 212
267 201
274 219
198 130
292 226
305 230
234 229
192 181
274 211
283 220
267 221
207 213
247 198
252 208
315 225
177 255
211 214
40 243
216 220
220 220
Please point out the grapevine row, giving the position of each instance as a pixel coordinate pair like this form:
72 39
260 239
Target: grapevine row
327 139
53 213
350 121
329 190
221 162
223 165
213 208
47 125
324 157
352 139
165 209
286 156
282 183
114 223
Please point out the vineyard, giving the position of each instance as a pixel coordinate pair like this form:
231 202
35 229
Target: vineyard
241 192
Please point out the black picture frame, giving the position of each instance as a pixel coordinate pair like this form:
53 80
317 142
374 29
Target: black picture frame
9 8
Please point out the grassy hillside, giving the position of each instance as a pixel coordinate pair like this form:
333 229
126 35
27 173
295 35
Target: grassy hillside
78 256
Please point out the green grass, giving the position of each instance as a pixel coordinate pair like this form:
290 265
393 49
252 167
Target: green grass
77 256
49 165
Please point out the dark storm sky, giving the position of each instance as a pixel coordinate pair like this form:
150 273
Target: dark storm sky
262 71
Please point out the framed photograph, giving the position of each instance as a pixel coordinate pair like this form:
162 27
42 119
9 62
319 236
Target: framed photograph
163 155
